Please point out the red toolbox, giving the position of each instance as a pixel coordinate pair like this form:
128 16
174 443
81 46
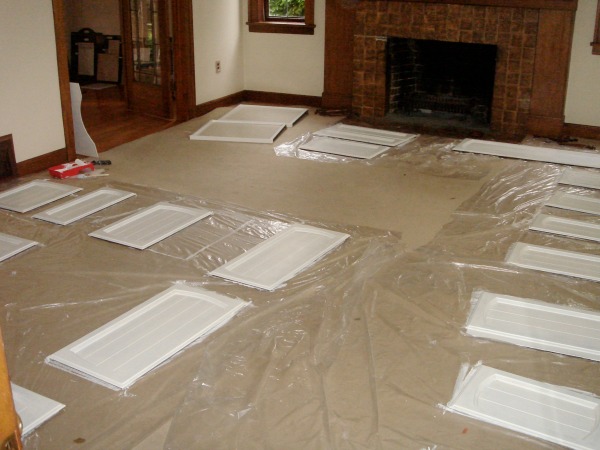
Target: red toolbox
70 169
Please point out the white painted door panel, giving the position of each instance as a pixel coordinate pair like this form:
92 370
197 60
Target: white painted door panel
553 260
530 153
271 114
12 245
238 131
120 352
83 206
566 227
34 194
279 258
574 202
344 147
33 409
536 324
151 225
553 413
580 177
366 134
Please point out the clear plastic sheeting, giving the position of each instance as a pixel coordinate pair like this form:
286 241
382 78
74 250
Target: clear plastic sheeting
360 350
81 283
292 149
429 155
370 361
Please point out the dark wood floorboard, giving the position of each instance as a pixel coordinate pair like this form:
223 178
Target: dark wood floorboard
109 122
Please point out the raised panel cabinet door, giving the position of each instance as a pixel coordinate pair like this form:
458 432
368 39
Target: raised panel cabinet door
10 436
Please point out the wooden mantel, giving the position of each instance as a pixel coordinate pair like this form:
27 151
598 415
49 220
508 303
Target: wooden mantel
570 5
552 55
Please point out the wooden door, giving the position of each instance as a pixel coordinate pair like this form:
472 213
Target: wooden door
147 56
10 436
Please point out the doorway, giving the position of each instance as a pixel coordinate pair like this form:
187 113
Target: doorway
107 115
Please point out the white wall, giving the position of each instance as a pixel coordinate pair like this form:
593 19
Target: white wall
30 107
583 93
217 37
285 63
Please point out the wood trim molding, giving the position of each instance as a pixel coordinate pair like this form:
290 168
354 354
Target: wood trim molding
42 162
228 100
581 131
281 99
570 5
258 22
258 97
339 50
596 42
7 145
183 60
58 9
10 435
553 53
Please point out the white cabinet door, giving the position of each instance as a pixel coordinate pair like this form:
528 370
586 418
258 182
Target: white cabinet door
151 225
280 257
120 352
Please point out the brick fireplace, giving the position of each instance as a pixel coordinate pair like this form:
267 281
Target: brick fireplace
532 37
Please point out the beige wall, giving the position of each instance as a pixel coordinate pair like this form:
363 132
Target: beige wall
217 37
583 94
29 92
285 63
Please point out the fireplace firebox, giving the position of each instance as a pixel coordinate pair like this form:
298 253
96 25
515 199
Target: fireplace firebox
431 78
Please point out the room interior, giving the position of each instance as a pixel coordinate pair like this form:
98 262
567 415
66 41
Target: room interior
362 349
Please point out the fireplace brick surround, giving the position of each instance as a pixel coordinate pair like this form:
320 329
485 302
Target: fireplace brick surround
533 38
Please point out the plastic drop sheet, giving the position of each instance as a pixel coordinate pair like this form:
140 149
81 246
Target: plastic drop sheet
431 155
72 284
370 361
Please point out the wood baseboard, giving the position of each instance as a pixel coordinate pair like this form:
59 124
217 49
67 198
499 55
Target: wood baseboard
8 165
42 162
581 131
258 97
228 100
282 99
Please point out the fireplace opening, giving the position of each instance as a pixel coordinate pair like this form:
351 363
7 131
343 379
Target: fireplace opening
448 82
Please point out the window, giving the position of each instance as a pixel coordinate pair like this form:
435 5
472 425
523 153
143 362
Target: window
596 42
281 16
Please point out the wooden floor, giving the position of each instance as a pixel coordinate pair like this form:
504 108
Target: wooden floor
110 124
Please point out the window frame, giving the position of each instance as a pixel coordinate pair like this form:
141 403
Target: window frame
260 22
596 42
